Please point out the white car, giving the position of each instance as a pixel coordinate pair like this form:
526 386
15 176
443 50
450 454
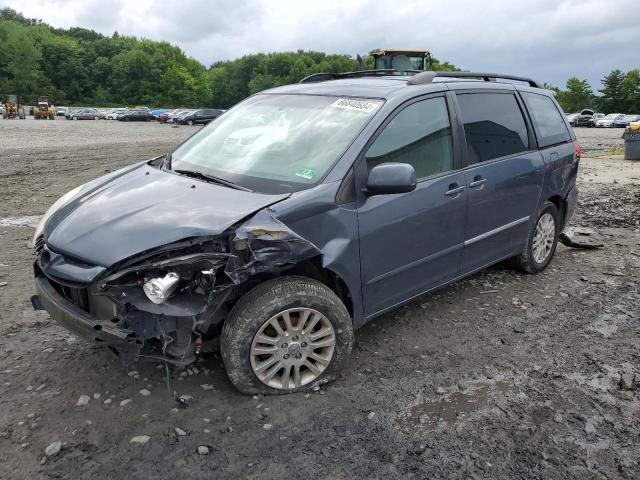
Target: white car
115 113
607 121
572 116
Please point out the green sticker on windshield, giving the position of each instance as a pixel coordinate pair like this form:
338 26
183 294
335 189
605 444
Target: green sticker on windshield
306 173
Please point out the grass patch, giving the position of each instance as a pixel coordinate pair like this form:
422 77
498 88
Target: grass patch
603 153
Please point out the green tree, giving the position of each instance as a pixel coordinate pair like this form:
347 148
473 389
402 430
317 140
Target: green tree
611 100
438 66
630 92
578 95
19 60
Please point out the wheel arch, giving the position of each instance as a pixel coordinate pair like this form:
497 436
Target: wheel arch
561 205
313 268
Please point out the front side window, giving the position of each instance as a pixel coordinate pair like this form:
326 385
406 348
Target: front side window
276 143
493 124
547 119
419 135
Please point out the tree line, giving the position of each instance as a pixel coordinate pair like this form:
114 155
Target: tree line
620 93
77 66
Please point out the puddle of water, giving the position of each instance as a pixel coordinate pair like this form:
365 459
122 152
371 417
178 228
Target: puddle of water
25 221
454 406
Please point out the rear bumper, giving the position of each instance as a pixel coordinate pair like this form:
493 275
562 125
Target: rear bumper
571 202
121 342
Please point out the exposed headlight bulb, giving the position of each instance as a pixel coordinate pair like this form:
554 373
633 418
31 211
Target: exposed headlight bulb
158 289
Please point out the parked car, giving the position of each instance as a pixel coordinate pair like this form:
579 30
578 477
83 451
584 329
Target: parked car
624 120
571 117
334 203
608 120
175 118
156 113
115 113
82 114
199 117
135 116
61 111
583 119
594 119
2 111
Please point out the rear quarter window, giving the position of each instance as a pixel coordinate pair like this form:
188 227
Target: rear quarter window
547 119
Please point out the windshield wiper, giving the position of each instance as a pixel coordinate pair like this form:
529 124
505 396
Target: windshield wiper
212 178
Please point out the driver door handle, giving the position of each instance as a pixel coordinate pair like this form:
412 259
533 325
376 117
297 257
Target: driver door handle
454 190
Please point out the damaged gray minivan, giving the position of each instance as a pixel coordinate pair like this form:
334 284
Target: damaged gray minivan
304 212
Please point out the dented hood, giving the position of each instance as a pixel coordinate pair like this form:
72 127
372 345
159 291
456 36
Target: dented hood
142 208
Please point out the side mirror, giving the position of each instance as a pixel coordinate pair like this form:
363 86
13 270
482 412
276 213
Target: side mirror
388 178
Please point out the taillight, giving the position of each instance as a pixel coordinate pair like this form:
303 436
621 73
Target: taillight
578 148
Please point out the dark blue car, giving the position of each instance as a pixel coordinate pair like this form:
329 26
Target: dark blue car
306 211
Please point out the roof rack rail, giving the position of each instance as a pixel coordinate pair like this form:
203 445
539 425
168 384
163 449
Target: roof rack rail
323 77
428 77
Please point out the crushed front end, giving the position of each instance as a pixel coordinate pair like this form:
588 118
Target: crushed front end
166 302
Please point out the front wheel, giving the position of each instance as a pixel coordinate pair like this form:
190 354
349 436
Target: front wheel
541 242
286 335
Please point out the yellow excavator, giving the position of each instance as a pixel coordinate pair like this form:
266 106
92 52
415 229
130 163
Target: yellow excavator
13 108
401 60
43 109
390 61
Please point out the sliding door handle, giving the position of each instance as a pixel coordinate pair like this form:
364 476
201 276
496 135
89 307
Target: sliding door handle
478 181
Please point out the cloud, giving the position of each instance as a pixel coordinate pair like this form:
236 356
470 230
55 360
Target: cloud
549 40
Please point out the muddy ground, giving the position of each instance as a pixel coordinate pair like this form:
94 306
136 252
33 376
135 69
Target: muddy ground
502 375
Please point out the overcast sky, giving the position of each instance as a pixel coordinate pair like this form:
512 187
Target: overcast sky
549 40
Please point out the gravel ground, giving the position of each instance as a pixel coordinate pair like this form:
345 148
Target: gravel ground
501 375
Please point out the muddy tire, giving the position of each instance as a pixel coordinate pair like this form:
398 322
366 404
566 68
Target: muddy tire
306 314
542 240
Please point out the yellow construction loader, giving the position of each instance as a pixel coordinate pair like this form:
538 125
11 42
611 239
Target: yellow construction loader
43 109
13 108
401 60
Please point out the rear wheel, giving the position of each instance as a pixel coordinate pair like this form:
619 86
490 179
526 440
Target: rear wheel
286 335
542 241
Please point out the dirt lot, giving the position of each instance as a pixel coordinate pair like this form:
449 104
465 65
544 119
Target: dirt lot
502 375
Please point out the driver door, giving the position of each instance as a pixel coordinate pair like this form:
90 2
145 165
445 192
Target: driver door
412 242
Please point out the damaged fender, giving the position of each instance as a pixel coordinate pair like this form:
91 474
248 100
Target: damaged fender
260 245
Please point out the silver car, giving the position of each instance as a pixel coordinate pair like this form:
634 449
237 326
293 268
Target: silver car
608 120
83 114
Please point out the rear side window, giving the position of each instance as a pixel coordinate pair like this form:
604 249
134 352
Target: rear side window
419 135
493 125
547 119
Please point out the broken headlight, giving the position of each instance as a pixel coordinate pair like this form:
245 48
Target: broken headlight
159 289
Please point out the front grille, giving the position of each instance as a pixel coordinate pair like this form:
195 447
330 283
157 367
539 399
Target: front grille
78 296
39 244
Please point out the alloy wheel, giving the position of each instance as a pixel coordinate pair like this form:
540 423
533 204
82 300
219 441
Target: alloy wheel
292 348
543 238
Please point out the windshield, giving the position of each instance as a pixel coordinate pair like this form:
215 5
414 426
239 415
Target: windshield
276 143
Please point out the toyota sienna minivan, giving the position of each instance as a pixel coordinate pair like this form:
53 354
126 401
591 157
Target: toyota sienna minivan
304 212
